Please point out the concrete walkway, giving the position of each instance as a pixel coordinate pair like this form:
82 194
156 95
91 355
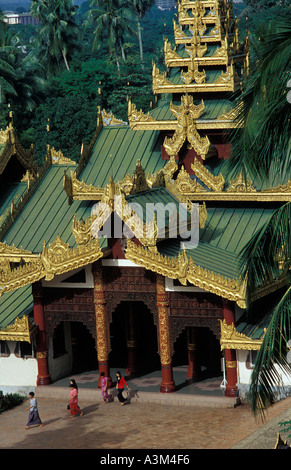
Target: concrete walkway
140 426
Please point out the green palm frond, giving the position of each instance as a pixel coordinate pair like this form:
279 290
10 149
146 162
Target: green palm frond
267 255
271 362
263 140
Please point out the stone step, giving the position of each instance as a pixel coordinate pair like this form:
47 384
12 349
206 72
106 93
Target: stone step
90 395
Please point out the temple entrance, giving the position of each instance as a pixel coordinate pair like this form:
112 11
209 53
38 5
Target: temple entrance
84 354
205 354
133 335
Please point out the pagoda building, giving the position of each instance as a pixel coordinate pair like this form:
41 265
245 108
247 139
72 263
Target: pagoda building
91 278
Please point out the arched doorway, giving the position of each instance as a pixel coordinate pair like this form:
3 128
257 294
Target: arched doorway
207 354
133 336
84 354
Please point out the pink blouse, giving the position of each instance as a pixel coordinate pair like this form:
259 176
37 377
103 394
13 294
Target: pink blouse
74 395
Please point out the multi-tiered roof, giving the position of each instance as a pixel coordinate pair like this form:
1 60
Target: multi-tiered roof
44 236
204 67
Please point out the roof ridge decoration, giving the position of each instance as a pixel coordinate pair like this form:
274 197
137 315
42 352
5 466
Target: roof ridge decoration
183 186
186 115
184 269
232 339
12 145
206 50
56 259
21 330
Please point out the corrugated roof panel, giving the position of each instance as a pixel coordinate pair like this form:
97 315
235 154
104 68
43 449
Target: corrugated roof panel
15 304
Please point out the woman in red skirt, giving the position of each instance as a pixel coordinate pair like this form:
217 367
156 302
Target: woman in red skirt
74 407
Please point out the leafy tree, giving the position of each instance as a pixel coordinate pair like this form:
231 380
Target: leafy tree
265 4
21 76
263 147
140 7
112 19
59 35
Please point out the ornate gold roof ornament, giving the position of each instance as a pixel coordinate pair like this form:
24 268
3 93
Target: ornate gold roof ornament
239 184
156 180
159 79
80 191
139 180
186 113
216 183
15 255
138 116
184 183
82 230
231 339
125 185
203 214
170 169
193 74
184 269
4 136
22 275
195 49
21 330
57 157
109 119
58 258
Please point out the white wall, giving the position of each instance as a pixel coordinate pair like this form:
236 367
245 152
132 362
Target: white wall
17 373
60 366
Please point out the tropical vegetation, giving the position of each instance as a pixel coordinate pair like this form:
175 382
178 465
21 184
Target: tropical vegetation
262 146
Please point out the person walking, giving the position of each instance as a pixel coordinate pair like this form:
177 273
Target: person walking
33 415
120 384
104 387
73 402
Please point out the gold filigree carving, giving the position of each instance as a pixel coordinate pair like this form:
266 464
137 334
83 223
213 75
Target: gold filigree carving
184 269
239 184
20 330
203 214
4 135
186 113
109 119
193 74
138 116
79 190
231 339
160 79
57 157
139 180
164 323
58 258
215 183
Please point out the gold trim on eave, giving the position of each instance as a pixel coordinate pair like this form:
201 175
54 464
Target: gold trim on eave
20 330
232 339
58 258
184 269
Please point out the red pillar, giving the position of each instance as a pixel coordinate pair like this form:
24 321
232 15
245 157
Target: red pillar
102 325
43 376
230 354
167 384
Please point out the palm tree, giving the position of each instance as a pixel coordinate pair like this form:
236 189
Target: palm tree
112 19
140 7
59 34
262 147
21 76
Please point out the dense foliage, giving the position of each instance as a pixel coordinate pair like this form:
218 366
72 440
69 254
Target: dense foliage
87 65
66 97
10 400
